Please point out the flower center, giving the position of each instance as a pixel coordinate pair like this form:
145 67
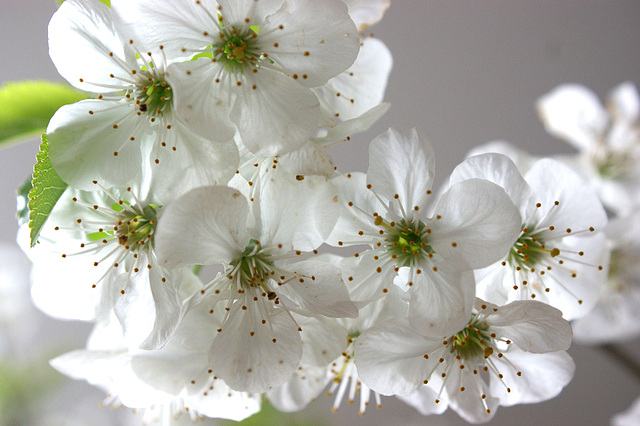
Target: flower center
406 241
135 229
236 49
612 165
253 269
529 250
472 342
153 96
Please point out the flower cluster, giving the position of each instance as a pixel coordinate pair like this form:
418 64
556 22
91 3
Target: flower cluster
204 145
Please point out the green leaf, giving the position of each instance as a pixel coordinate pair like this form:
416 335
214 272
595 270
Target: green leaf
47 189
27 106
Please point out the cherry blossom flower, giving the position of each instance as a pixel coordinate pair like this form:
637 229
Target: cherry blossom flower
260 60
608 139
519 346
474 224
132 121
97 254
258 345
164 384
560 256
616 316
629 417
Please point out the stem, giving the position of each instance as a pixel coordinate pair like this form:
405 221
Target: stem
632 364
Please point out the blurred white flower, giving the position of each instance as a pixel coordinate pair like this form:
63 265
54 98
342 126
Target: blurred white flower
616 316
608 139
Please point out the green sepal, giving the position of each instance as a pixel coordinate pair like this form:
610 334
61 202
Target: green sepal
47 189
27 106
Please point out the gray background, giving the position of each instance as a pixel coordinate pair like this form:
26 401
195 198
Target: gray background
466 73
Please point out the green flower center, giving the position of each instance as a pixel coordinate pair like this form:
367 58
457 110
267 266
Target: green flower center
473 342
529 250
407 242
612 165
135 230
237 50
253 268
155 97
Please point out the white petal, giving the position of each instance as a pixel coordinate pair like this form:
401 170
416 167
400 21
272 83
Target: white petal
174 25
423 400
543 377
309 159
362 86
573 113
500 170
624 102
367 12
630 417
206 226
81 38
274 115
296 213
468 403
256 363
391 358
358 216
441 301
344 130
195 162
200 101
167 303
533 326
364 281
616 318
112 372
82 145
237 12
523 160
476 224
323 340
223 402
319 290
136 310
168 371
301 389
54 281
401 163
315 39
579 207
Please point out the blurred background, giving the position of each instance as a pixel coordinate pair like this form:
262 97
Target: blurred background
466 72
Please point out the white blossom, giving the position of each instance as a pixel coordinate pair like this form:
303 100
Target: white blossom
97 254
132 123
560 255
474 224
258 346
519 346
615 318
608 140
260 60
